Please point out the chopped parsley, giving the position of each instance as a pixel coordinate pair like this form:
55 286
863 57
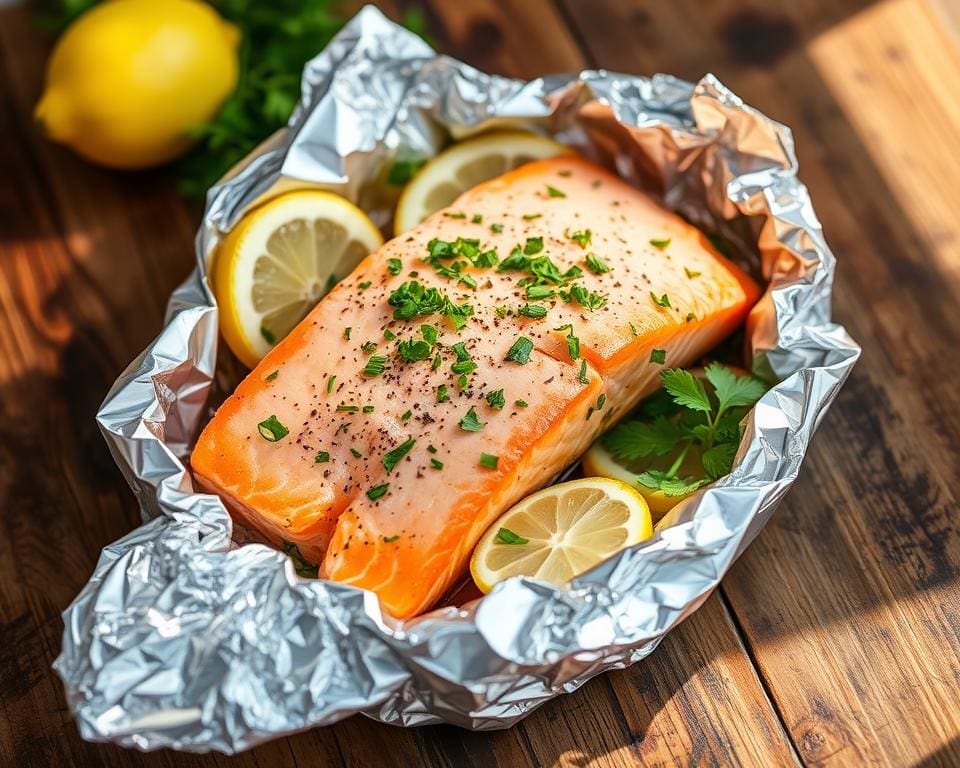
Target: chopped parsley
660 301
368 346
356 453
346 333
520 351
413 350
658 356
470 422
330 381
378 492
431 449
573 343
477 219
391 539
506 536
347 408
268 335
368 409
520 403
394 266
442 394
322 457
690 273
554 192
633 329
437 362
391 459
272 376
597 265
532 310
402 171
600 401
496 228
376 364
531 216
495 399
588 299
436 464
406 416
272 430
301 565
455 215
540 292
660 243
533 245
364 285
489 460
690 316
389 335
582 376
581 237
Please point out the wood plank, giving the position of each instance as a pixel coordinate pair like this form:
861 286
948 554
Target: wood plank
849 599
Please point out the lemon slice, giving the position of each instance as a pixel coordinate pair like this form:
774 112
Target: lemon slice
280 260
464 165
599 462
561 531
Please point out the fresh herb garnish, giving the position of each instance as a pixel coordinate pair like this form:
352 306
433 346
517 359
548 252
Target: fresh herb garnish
496 228
431 449
430 333
597 265
330 381
520 351
532 310
364 285
573 343
268 335
272 376
406 416
520 403
660 243
389 335
506 536
582 376
394 266
489 460
495 399
391 539
455 215
554 192
413 350
402 171
346 333
272 430
470 422
690 273
660 301
322 457
690 317
378 492
376 364
600 401
633 330
581 237
368 409
658 356
540 292
588 299
436 464
356 453
476 219
689 416
533 245
531 216
301 565
391 459
442 394
347 408
368 346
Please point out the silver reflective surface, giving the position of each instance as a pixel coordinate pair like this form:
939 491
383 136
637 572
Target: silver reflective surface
183 638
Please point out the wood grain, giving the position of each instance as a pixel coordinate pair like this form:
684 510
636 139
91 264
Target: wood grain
835 638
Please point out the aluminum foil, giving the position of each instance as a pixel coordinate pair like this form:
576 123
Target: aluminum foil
185 638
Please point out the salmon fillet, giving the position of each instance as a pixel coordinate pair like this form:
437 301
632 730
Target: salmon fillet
387 479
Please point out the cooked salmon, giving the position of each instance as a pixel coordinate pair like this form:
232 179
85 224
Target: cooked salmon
461 367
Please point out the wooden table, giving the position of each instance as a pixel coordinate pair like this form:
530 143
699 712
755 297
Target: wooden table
835 640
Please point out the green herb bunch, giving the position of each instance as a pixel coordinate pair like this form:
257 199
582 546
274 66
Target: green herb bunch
278 38
687 414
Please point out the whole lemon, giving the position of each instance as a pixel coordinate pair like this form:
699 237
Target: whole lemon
128 80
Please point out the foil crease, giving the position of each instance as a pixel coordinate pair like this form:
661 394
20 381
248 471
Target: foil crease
184 638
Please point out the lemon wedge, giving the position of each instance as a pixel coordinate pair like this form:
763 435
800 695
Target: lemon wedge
280 260
599 462
561 532
464 165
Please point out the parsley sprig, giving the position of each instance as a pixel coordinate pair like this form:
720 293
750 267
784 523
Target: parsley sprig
688 416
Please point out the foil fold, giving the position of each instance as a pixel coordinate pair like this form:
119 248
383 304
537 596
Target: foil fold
185 638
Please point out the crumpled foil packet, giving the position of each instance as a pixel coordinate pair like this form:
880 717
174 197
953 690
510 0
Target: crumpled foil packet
185 639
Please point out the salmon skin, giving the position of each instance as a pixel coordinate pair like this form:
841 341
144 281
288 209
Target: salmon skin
459 368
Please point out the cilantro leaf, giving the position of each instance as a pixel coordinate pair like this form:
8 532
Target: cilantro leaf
733 390
718 461
686 389
632 440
